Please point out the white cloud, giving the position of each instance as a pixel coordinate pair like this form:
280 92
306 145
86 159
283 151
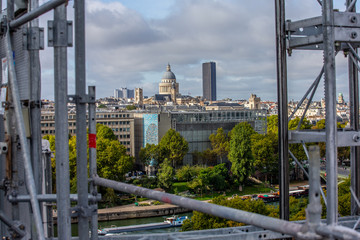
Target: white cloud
127 49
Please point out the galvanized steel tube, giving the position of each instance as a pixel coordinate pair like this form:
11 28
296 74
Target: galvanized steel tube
35 104
307 93
81 141
30 183
61 126
51 198
313 210
36 13
11 224
282 109
92 157
330 98
354 119
212 209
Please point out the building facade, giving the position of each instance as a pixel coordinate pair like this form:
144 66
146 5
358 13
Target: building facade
209 81
254 102
195 127
139 96
122 124
123 93
168 83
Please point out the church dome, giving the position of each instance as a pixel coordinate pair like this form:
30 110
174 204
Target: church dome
168 74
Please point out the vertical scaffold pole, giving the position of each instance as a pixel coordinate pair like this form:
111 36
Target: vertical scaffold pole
10 119
81 143
61 124
330 98
354 124
282 108
92 157
35 99
29 176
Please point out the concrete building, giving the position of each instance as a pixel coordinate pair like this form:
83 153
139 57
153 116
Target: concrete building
122 124
123 93
254 102
209 81
195 127
139 96
341 99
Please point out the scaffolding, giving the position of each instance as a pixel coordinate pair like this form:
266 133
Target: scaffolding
25 172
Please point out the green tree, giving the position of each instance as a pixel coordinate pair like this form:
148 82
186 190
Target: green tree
173 146
186 173
293 124
264 150
150 153
297 149
112 160
272 124
200 221
166 175
240 154
320 124
220 143
343 152
208 157
130 107
103 131
344 197
219 177
102 106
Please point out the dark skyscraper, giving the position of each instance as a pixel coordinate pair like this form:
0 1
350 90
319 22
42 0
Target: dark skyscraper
209 81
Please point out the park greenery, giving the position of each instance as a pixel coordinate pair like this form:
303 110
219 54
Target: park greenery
201 221
218 171
112 160
242 151
172 146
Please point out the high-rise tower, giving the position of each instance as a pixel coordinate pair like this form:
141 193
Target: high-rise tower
209 81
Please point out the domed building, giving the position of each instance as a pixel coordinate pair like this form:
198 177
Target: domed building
168 83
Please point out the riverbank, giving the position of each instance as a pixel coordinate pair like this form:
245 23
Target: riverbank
131 211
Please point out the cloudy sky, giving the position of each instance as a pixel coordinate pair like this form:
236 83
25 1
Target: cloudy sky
130 42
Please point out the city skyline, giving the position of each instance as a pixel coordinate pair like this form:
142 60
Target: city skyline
135 40
209 81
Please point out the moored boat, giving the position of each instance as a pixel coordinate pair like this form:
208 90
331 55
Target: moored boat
174 221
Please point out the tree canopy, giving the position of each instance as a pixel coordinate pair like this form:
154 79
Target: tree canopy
166 175
112 160
265 151
240 154
150 154
103 131
220 143
173 147
200 221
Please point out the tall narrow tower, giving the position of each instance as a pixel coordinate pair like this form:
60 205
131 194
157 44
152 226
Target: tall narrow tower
209 81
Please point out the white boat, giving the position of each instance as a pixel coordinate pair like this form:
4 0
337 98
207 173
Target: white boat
176 220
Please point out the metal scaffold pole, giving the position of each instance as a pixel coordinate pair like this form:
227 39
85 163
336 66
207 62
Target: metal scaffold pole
354 122
81 142
330 98
282 109
35 97
61 123
92 158
29 176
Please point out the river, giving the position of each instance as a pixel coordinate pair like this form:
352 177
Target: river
129 222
